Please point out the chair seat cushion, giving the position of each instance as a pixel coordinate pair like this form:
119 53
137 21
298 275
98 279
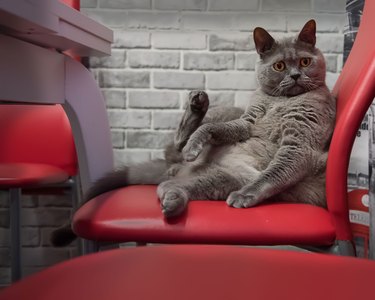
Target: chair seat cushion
200 272
30 174
133 214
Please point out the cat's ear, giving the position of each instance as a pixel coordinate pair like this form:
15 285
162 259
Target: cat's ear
307 34
263 40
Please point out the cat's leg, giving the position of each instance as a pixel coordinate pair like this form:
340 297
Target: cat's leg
195 111
215 184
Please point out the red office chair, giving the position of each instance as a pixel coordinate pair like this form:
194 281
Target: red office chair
200 272
133 213
37 150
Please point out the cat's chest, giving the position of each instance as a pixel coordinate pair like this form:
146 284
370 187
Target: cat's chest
270 125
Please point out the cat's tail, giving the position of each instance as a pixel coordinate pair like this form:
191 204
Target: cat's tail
152 172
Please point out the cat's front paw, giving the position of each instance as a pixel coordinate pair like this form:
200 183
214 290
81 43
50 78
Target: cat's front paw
240 200
191 151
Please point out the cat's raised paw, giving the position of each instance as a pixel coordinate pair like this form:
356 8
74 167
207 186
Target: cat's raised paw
198 101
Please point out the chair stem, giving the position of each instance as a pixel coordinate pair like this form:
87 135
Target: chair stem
15 233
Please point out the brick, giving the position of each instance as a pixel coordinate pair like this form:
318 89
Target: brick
130 156
289 5
125 4
4 257
27 271
153 20
236 5
331 62
30 237
131 39
179 40
231 81
166 119
243 99
159 59
116 60
330 43
124 79
178 80
324 23
114 98
339 62
157 154
4 277
40 257
4 237
331 79
29 199
44 216
222 98
246 61
334 6
129 118
118 138
148 139
180 4
56 200
110 18
233 21
231 41
4 199
154 99
4 218
208 61
88 3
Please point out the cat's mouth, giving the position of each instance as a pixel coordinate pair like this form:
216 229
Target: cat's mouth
295 89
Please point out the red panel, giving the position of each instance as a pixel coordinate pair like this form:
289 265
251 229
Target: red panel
72 3
355 90
200 272
38 134
23 175
133 214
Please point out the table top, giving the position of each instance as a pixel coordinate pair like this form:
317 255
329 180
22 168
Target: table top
52 24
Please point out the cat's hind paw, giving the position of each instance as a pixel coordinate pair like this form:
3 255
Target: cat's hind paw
173 203
239 200
198 101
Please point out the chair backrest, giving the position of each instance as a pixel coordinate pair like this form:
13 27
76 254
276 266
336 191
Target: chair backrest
37 134
354 91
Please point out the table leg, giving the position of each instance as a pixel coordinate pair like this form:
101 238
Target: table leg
87 113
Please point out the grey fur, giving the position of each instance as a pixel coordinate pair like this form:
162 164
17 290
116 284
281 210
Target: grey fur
276 149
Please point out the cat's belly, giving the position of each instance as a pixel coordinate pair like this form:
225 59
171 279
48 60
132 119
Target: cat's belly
250 157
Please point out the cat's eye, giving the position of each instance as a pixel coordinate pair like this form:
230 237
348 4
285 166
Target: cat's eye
279 66
305 62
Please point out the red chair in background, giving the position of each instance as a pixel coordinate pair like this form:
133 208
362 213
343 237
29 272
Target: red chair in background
37 151
133 213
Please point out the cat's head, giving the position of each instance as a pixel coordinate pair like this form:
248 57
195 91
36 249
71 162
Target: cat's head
290 66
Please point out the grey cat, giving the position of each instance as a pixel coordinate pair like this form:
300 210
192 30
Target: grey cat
274 150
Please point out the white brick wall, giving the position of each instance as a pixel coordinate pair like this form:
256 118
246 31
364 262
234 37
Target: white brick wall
161 50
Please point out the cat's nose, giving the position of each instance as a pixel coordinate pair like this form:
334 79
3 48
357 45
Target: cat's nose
295 76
